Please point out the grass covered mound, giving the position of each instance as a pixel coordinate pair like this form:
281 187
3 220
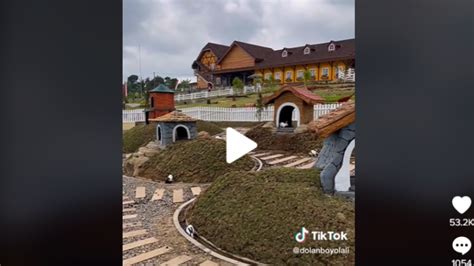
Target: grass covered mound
257 214
138 136
209 127
141 135
196 161
298 142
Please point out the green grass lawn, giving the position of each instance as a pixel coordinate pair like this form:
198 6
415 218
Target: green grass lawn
256 215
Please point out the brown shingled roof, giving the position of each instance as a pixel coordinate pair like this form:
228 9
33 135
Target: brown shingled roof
256 51
218 49
345 49
299 91
174 116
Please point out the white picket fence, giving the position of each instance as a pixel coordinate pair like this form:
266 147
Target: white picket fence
136 115
242 114
203 94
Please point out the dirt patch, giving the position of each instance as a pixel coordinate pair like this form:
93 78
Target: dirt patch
209 127
296 142
256 215
198 161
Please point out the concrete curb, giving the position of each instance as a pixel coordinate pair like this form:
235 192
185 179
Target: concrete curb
260 164
194 241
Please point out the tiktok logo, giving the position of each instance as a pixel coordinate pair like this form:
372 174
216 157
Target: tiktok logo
300 236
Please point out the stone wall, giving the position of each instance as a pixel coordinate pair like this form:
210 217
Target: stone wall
330 157
167 131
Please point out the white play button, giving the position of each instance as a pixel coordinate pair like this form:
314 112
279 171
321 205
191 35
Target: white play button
237 145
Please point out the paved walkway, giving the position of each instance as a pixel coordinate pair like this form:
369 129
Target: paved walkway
149 236
284 159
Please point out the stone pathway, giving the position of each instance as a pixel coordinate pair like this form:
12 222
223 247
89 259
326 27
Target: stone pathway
284 159
149 236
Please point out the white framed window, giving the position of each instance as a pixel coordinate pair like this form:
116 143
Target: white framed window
213 66
313 72
278 75
325 71
268 76
307 50
299 74
289 75
331 47
284 53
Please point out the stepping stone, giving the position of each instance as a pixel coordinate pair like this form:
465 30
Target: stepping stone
178 195
176 261
129 216
208 263
158 194
307 166
282 160
140 192
124 198
271 157
196 191
261 154
134 233
128 225
129 209
298 162
146 256
139 243
128 202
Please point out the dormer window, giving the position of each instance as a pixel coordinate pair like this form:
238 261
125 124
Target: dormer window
284 53
331 47
306 50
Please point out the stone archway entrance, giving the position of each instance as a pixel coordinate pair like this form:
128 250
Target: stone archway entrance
181 132
286 113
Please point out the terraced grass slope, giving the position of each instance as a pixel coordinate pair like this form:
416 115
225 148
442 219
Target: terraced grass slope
199 160
301 142
256 215
141 135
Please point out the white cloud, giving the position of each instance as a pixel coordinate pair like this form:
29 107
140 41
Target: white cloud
171 33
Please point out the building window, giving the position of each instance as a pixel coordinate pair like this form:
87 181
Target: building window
278 75
299 74
284 53
218 81
213 66
313 72
289 75
332 47
325 71
307 50
152 102
268 76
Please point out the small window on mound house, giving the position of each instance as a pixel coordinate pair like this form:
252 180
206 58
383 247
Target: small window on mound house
307 50
332 47
152 102
284 53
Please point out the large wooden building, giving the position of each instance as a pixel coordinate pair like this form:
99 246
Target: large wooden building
218 65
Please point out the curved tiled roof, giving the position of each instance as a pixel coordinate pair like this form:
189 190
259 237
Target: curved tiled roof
299 91
174 116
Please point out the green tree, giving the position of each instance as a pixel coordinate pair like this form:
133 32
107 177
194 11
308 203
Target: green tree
306 78
184 85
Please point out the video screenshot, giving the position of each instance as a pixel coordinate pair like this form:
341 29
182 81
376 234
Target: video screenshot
223 132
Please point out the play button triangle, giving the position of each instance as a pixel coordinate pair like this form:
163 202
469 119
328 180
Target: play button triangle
237 145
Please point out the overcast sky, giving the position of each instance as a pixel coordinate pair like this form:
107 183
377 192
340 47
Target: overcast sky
171 33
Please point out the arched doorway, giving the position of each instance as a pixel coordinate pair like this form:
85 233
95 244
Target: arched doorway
158 133
181 132
289 114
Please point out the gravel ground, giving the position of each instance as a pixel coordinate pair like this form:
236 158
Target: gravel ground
156 218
